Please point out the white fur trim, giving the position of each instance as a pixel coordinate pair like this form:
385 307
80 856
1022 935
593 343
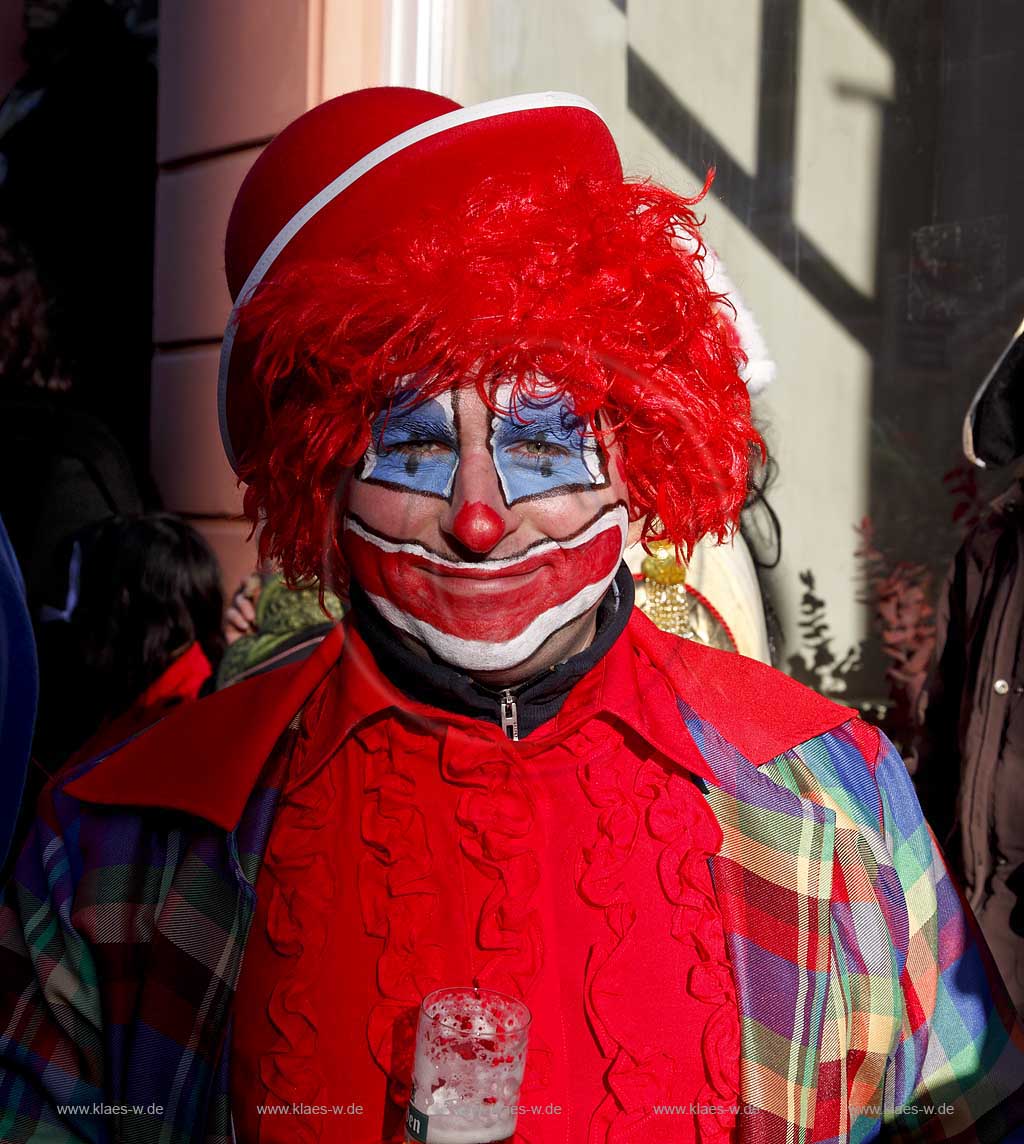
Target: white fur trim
759 372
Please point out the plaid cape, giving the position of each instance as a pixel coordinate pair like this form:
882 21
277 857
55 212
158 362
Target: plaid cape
869 1006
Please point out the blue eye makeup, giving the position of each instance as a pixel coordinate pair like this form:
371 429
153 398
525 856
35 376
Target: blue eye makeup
539 448
542 448
413 445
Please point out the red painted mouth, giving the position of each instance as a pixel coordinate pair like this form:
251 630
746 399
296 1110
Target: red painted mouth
475 601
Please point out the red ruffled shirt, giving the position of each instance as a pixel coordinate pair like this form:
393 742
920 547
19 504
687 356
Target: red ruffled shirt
414 849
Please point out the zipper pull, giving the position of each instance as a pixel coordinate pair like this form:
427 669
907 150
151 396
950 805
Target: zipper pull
509 715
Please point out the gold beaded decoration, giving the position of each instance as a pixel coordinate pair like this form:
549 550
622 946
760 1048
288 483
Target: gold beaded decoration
666 601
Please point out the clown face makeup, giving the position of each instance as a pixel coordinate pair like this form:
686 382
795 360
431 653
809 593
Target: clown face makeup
487 537
542 448
414 446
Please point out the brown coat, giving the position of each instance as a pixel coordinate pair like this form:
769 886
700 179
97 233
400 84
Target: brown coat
970 776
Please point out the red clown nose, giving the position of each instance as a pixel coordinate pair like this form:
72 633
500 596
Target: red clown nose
478 527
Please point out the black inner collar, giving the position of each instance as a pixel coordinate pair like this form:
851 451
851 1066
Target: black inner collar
438 684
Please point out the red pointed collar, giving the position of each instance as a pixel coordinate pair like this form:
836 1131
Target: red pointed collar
182 680
757 709
205 759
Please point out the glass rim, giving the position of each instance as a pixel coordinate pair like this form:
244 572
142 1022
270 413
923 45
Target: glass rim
520 1027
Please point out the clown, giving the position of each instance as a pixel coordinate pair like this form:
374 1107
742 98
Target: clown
468 363
525 478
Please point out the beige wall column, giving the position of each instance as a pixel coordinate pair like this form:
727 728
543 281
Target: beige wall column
232 74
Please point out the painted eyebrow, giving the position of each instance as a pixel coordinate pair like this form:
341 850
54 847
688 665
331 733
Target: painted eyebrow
417 424
561 424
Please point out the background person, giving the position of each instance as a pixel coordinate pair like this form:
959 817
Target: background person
141 634
970 771
270 624
147 622
61 469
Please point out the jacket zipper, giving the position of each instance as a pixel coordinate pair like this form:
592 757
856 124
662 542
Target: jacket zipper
509 715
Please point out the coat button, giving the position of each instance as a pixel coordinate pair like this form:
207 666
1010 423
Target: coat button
1000 687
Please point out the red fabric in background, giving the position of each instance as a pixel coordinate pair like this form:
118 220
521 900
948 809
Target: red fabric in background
180 683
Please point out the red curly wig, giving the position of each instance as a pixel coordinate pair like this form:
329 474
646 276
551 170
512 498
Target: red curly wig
584 283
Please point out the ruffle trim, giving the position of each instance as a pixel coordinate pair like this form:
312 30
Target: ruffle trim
400 899
303 882
677 816
399 895
497 821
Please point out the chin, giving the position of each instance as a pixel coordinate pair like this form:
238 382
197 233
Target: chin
557 648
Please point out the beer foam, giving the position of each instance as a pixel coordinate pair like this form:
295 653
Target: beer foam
469 1064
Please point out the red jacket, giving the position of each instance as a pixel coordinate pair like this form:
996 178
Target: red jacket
868 1003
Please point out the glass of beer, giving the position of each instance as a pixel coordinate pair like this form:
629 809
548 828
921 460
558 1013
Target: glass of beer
470 1056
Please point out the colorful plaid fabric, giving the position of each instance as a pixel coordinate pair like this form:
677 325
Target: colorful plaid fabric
121 941
869 1007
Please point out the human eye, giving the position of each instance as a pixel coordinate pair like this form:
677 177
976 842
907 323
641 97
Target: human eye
538 449
418 447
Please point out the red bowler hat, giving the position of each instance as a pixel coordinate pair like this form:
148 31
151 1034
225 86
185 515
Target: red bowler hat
316 191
